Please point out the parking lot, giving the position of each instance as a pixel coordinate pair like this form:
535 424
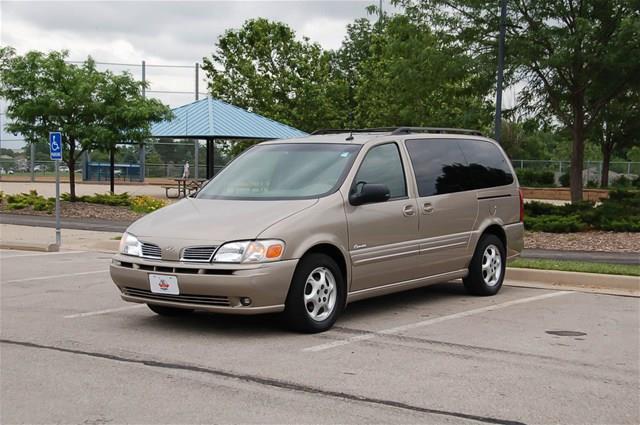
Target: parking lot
73 352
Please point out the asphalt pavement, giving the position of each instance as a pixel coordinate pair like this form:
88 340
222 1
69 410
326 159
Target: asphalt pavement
73 352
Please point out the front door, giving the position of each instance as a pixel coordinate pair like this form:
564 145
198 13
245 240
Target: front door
382 236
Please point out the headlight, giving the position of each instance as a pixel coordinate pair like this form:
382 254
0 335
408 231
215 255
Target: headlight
249 251
130 245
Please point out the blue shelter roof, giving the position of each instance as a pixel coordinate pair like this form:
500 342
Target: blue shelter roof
213 118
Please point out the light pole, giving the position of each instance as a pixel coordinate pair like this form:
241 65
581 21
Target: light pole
501 36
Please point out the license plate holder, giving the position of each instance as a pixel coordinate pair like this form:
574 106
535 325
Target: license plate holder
164 284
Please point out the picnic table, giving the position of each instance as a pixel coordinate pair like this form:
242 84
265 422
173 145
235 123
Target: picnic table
184 187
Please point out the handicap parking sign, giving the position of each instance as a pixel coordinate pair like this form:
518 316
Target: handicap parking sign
55 145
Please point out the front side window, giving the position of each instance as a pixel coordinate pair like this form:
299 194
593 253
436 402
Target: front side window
383 165
283 171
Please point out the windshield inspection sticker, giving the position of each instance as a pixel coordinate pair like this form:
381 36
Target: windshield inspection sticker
344 154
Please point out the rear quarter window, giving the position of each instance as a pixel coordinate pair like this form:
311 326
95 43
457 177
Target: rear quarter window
486 165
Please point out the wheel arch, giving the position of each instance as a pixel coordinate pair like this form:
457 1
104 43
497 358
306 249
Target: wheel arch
335 254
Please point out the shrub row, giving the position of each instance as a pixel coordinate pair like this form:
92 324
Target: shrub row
619 213
535 178
139 204
32 199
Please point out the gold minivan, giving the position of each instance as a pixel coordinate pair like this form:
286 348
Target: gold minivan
305 226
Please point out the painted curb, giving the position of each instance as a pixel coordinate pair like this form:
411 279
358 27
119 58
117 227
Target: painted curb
590 282
30 246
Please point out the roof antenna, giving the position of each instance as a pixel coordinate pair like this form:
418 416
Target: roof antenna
350 138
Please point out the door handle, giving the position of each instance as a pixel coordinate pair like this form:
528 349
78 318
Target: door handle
427 208
408 210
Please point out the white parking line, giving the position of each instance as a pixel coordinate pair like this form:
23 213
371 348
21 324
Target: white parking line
2 257
56 276
110 310
433 321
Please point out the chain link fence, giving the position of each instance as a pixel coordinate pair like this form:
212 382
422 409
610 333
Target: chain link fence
592 171
19 169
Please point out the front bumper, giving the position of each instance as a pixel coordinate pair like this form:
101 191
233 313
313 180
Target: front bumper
206 286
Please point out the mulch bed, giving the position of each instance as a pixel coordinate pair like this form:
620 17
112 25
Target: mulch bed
83 210
585 241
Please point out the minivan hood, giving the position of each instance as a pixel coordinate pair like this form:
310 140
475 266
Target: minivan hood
215 220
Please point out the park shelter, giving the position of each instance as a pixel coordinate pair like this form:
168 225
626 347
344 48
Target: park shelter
212 119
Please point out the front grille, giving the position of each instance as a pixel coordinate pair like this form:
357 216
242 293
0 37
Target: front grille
150 250
182 298
198 253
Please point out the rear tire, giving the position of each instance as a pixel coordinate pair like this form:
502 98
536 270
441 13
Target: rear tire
168 311
487 267
317 294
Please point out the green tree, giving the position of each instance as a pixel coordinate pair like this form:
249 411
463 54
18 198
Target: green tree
124 114
92 109
617 129
44 93
415 76
262 67
574 57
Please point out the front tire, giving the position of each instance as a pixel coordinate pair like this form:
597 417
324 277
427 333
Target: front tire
316 296
168 311
487 267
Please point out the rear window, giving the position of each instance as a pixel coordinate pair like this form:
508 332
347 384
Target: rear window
486 165
448 165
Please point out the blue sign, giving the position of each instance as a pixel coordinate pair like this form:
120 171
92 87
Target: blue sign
55 145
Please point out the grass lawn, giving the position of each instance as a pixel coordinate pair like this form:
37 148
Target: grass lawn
576 266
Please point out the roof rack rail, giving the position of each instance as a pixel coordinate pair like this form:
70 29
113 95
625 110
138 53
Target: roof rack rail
353 130
398 130
442 130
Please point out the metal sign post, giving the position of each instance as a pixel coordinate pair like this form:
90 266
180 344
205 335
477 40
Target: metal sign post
55 152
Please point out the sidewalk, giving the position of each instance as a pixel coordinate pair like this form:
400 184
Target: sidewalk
72 239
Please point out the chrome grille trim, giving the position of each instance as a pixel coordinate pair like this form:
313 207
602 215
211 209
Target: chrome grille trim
150 250
216 300
202 254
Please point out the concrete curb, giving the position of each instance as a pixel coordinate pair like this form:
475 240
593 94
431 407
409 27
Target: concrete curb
587 282
30 246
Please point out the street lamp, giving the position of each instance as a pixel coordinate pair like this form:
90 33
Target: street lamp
501 36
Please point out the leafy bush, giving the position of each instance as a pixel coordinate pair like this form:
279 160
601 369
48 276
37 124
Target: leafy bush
620 213
565 180
139 204
555 223
146 204
534 178
118 200
622 182
32 199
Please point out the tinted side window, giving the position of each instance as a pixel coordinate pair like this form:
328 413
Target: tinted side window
383 165
487 165
438 164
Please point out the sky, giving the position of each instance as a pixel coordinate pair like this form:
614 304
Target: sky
160 33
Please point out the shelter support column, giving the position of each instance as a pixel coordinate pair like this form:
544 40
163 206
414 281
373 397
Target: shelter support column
210 157
142 162
196 158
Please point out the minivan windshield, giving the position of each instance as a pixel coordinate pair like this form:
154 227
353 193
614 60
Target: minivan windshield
283 171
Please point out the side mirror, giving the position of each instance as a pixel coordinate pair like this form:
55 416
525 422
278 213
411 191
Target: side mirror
370 193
